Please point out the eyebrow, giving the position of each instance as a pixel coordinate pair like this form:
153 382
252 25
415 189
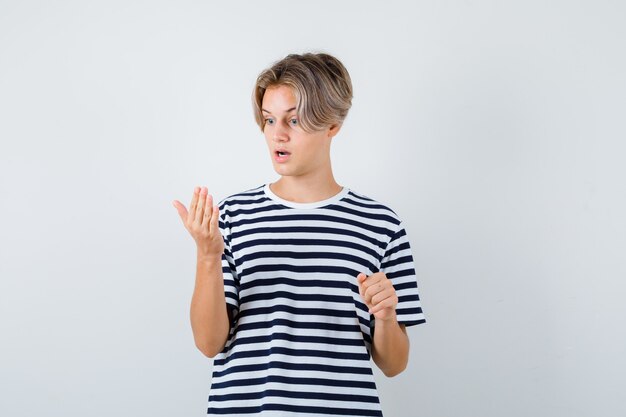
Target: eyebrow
286 111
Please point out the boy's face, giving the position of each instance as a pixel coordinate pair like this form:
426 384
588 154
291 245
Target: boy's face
307 152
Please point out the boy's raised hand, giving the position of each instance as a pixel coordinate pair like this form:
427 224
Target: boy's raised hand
202 223
379 295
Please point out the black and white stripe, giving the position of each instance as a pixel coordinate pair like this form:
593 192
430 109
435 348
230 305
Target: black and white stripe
301 338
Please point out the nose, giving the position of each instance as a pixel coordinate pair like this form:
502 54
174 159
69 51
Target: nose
280 132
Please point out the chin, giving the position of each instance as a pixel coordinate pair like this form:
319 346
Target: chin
284 171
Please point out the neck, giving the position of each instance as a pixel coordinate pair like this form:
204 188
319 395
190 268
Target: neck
309 189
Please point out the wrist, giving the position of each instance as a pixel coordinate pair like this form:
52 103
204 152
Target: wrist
208 259
391 319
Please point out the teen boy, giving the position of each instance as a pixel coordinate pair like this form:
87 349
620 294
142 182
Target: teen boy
299 282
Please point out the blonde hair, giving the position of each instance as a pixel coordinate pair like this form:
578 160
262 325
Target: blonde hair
320 82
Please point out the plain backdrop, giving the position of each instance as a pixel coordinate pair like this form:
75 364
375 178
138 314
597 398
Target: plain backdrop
495 129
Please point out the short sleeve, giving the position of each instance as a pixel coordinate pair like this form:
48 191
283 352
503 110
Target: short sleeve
231 280
399 267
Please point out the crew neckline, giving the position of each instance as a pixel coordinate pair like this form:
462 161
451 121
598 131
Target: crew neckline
315 204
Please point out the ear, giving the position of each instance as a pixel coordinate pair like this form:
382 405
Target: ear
333 129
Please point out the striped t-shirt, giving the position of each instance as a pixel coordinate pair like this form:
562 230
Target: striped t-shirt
301 335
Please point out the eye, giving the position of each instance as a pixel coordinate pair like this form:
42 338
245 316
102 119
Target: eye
269 121
293 122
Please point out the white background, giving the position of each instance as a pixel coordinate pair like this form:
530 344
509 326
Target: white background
495 129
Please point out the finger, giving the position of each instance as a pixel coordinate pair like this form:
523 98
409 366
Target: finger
388 303
208 211
374 289
214 226
373 292
364 298
193 204
368 299
370 281
201 203
383 295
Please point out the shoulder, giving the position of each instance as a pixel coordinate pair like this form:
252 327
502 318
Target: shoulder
241 198
366 200
373 208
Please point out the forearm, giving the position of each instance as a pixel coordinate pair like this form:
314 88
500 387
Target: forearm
209 318
390 347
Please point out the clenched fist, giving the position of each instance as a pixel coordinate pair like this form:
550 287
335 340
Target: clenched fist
379 295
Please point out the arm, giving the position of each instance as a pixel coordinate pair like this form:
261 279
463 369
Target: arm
390 344
390 347
210 321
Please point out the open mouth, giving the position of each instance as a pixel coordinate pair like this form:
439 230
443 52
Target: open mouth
281 157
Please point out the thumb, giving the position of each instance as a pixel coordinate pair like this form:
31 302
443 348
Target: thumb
182 210
360 279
